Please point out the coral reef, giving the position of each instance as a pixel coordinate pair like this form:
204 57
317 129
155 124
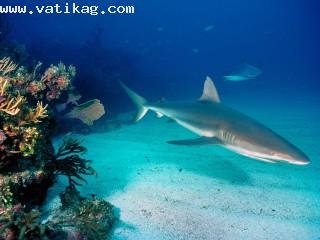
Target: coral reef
17 223
91 218
57 79
28 162
83 218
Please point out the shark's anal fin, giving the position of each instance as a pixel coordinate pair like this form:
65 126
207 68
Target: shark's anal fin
197 141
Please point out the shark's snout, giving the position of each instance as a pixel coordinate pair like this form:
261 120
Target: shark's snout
301 160
297 158
282 151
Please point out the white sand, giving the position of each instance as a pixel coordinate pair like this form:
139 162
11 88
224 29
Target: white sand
174 192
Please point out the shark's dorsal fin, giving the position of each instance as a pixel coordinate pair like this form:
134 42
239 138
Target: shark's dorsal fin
209 91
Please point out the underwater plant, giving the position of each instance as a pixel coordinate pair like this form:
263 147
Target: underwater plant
86 218
67 161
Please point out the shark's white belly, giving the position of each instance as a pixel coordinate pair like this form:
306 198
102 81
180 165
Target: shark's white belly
248 153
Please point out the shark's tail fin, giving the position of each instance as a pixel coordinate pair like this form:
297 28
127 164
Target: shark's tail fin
139 101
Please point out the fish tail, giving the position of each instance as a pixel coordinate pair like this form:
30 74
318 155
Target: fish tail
139 101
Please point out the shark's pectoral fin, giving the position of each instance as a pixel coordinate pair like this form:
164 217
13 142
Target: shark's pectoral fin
197 141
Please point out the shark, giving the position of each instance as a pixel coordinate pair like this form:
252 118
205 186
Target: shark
218 124
243 72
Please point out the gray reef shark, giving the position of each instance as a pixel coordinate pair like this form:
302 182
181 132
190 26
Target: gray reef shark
218 124
243 72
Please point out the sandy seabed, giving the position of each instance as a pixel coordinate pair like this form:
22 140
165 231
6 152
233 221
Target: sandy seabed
172 192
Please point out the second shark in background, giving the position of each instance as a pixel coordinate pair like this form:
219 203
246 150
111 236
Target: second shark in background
243 72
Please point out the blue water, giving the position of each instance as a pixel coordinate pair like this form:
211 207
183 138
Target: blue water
154 49
166 49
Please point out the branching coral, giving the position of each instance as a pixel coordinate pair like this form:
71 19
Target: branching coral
7 66
9 105
3 85
39 113
68 162
12 105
